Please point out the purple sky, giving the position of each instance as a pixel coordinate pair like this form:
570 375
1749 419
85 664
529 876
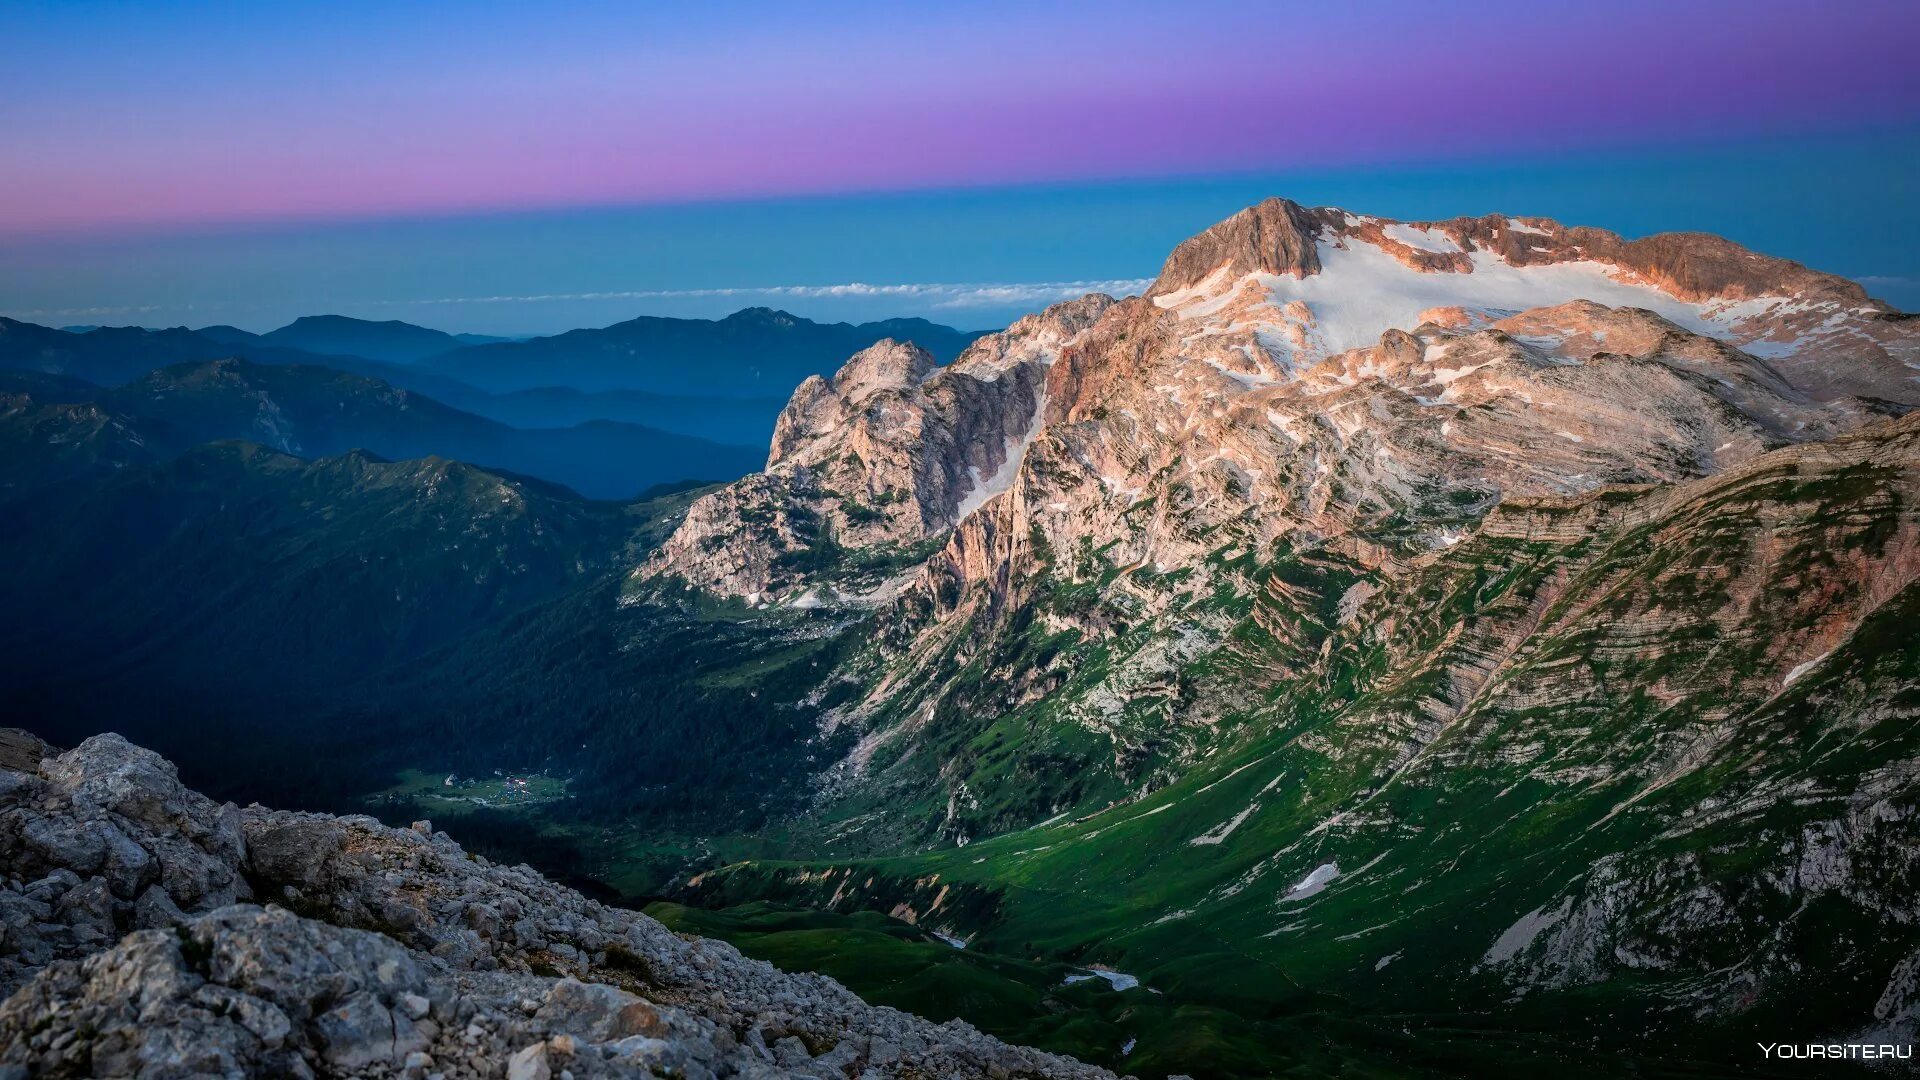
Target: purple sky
187 114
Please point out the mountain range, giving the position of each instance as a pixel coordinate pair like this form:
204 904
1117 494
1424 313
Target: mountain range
392 341
320 412
1467 647
722 380
754 352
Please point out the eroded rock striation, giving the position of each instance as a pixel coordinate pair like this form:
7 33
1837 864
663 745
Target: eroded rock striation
147 932
881 458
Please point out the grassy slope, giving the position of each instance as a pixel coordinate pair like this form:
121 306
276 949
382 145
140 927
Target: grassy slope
1587 746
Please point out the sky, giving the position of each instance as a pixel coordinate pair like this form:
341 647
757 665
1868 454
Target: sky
519 168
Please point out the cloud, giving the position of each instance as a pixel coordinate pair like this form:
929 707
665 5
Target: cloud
936 294
928 296
142 309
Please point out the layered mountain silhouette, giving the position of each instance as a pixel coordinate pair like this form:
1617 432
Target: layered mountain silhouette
755 352
391 341
319 412
113 355
722 380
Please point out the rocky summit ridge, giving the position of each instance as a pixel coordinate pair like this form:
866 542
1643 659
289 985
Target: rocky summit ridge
1289 359
146 931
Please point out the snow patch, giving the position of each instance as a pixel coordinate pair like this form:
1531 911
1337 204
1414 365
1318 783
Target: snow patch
1229 776
1225 829
1314 882
1801 669
1247 380
1422 239
1117 980
1361 291
1446 375
1517 937
1002 478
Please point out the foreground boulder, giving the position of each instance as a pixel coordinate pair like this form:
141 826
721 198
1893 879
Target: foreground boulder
378 952
101 840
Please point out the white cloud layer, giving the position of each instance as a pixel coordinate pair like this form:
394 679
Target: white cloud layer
930 296
939 295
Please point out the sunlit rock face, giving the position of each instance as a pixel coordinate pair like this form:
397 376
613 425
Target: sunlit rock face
1302 369
886 454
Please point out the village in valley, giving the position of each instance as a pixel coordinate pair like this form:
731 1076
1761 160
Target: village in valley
500 790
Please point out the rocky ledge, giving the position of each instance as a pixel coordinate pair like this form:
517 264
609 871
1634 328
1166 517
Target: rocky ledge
147 932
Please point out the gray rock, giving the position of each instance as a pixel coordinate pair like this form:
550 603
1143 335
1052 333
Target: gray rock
422 958
156 910
530 1064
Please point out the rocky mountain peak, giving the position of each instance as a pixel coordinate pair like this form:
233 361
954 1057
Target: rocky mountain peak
1281 238
888 453
1274 236
887 368
885 365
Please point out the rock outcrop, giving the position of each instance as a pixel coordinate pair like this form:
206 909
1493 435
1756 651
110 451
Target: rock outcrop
888 453
131 949
1275 236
